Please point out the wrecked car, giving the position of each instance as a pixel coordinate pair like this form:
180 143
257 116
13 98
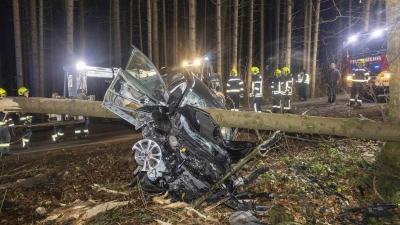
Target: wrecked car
183 150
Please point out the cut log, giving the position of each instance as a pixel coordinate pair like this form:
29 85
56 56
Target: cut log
353 128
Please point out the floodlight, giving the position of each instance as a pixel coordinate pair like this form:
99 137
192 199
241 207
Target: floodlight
80 66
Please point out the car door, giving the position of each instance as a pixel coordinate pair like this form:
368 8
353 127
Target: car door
135 90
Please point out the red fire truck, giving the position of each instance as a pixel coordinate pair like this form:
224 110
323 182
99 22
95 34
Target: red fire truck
372 47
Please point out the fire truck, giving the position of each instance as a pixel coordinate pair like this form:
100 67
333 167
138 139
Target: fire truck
372 47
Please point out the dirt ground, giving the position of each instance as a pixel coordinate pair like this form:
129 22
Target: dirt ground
312 179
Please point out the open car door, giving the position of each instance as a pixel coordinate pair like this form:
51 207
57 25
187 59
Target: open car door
137 85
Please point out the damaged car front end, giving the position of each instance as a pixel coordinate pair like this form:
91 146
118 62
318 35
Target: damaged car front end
183 150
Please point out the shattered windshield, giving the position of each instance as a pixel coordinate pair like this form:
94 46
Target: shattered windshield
140 68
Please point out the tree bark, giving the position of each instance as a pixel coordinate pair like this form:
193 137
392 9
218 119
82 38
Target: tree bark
82 28
165 35
305 31
149 32
366 15
130 23
289 34
262 41
70 32
117 33
310 11
175 28
378 14
354 128
140 26
390 156
18 47
219 38
250 45
41 50
277 24
192 28
315 50
110 44
35 81
154 8
235 33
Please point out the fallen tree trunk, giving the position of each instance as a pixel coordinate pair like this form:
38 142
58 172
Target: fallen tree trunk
354 128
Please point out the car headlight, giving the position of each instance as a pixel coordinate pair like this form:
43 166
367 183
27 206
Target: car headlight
350 77
226 133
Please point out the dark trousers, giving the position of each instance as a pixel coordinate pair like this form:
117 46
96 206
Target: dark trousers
82 127
235 99
26 136
5 139
304 92
256 104
332 92
276 103
356 89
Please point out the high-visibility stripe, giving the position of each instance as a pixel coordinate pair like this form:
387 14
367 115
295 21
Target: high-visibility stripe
6 144
241 82
77 132
352 100
359 100
25 140
85 131
2 123
234 79
61 134
241 89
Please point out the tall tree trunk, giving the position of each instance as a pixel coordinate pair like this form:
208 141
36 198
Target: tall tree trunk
165 34
205 27
250 42
350 17
149 31
18 47
35 81
262 41
340 41
289 33
366 15
277 24
175 28
310 12
315 49
110 27
235 32
378 14
390 156
26 35
117 33
52 51
156 43
70 32
82 28
240 50
130 23
219 38
305 31
192 27
41 50
140 26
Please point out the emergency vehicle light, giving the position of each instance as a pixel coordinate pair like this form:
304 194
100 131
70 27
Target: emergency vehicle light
352 38
80 66
377 33
349 77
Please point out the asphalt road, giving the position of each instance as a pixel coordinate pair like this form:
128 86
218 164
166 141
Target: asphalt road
98 133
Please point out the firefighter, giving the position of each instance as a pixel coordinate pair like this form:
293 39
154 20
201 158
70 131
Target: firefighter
360 76
256 88
82 128
5 122
58 131
276 91
25 119
234 89
287 88
303 80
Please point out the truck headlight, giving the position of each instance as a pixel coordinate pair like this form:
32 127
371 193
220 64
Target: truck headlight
349 78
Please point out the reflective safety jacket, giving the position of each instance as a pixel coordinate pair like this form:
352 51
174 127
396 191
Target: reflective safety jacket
256 86
361 75
55 117
303 78
25 119
234 86
6 120
288 85
276 85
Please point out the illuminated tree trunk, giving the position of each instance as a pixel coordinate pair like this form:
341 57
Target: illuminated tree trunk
140 26
315 49
130 22
156 52
262 24
289 34
110 44
390 156
164 34
41 50
378 16
176 47
192 27
70 32
310 10
82 28
35 81
250 43
366 15
235 32
18 46
305 30
277 24
149 33
219 38
117 33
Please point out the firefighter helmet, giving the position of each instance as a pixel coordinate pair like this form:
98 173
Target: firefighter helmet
22 90
234 72
277 72
3 92
360 62
254 69
286 70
